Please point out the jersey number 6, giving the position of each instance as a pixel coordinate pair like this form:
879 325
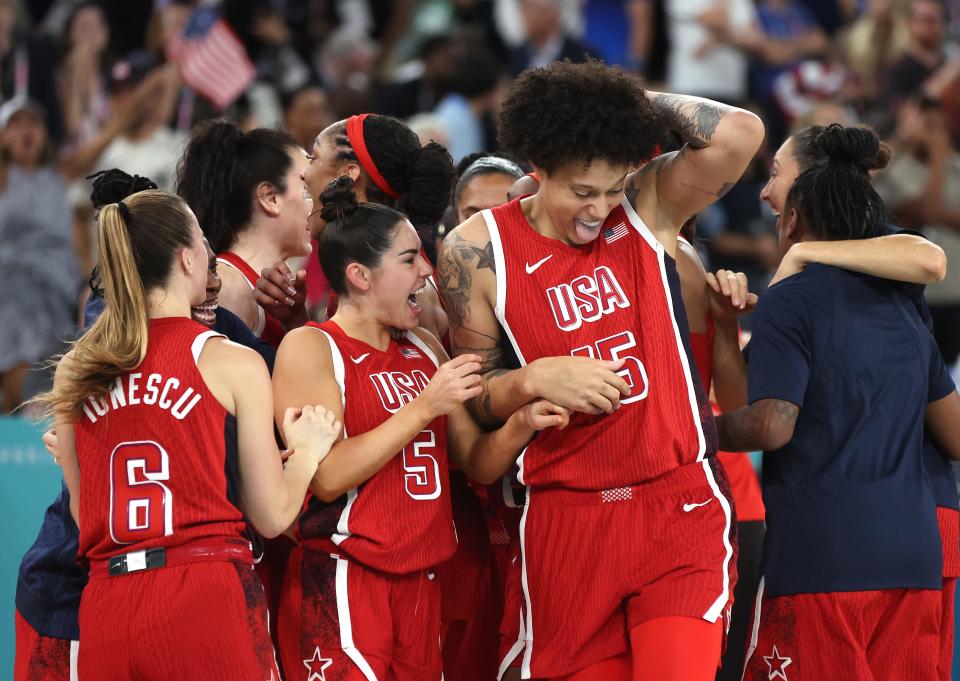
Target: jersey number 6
613 348
421 476
141 506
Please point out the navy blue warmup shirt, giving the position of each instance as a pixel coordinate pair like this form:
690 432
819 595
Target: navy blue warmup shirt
849 506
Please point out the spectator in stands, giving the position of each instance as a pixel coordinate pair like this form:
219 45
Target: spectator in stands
427 83
37 253
702 60
924 66
145 145
306 112
465 114
83 72
873 44
921 187
546 40
788 35
347 65
27 68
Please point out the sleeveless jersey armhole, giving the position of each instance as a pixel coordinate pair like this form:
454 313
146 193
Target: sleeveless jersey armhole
339 370
200 342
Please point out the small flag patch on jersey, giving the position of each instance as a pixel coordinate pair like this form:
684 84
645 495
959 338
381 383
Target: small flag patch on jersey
618 231
410 353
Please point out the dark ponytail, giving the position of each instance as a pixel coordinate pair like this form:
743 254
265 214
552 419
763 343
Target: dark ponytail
422 175
354 232
220 170
833 193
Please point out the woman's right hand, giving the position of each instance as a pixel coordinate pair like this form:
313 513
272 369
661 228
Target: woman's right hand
591 386
283 294
454 383
311 430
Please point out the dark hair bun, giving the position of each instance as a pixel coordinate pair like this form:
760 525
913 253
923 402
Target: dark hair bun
430 186
339 200
114 185
859 147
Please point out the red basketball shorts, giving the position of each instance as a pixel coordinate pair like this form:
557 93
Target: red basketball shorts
596 564
194 620
341 620
42 658
949 522
511 579
469 613
888 635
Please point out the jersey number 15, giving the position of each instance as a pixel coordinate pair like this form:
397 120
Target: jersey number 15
613 348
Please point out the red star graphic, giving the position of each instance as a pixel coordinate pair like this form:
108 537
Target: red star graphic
776 665
317 666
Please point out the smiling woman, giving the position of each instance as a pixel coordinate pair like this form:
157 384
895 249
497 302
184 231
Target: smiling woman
246 190
382 504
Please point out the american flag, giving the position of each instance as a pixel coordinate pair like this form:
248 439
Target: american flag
618 231
410 353
212 60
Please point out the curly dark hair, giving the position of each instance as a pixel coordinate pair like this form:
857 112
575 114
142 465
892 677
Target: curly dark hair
569 112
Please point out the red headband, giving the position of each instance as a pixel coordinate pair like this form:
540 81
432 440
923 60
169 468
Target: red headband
355 135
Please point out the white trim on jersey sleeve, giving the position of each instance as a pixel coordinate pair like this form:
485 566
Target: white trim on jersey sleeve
201 340
261 315
639 225
339 375
424 348
344 620
500 262
681 351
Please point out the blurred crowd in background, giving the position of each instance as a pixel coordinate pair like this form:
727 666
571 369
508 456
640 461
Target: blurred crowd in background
86 86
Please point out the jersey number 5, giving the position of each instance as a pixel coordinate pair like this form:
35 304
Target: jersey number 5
614 348
141 506
421 476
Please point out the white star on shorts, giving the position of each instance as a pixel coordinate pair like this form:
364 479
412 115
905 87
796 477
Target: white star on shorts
317 666
775 665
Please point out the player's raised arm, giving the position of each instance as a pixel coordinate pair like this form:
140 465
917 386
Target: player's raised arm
467 272
719 141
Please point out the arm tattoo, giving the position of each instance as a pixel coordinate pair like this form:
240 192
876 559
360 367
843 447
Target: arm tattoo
786 412
694 118
455 277
481 406
751 428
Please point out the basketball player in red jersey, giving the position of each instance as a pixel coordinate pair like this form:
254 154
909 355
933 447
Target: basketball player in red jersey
360 600
389 167
625 521
155 389
246 191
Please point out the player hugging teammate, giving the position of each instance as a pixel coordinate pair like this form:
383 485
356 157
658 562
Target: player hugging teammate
573 375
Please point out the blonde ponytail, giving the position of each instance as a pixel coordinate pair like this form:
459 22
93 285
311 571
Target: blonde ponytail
117 341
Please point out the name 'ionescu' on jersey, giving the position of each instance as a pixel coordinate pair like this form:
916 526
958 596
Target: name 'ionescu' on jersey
617 297
152 452
400 520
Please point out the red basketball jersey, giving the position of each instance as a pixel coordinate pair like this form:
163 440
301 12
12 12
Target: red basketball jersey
152 452
399 520
267 328
617 297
